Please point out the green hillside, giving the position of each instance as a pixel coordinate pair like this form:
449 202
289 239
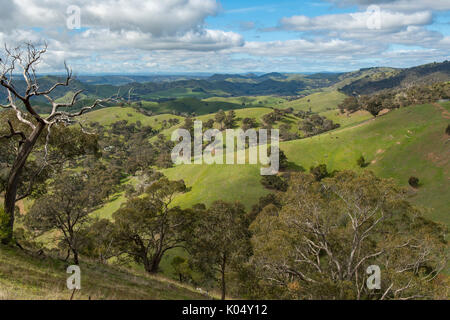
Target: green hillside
108 116
402 143
318 102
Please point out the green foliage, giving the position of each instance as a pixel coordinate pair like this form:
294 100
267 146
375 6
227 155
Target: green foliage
361 162
319 172
397 98
147 227
67 209
220 118
413 182
319 244
274 182
230 120
424 75
220 240
350 104
182 268
5 231
249 123
447 130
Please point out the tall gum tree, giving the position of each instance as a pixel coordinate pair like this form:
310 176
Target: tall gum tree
24 60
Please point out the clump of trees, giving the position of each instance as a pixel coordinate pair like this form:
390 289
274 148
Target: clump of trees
66 207
249 123
220 241
274 182
396 98
147 227
319 244
315 124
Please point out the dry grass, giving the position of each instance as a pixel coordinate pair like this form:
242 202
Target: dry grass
24 277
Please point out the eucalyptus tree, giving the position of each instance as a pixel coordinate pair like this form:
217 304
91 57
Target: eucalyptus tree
24 60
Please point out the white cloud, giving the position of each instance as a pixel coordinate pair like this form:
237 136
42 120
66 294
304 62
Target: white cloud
360 21
172 35
160 18
399 5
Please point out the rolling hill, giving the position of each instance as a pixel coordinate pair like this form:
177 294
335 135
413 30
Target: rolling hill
402 143
420 75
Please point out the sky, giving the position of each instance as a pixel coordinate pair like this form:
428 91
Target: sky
228 36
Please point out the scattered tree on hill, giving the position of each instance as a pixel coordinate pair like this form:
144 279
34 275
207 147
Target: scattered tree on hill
274 182
313 124
325 236
230 120
413 182
349 104
67 209
220 118
220 240
361 162
286 134
188 125
147 227
264 201
99 240
249 123
25 59
209 124
374 106
319 172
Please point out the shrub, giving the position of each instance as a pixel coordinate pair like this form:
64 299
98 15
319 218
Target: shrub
413 182
319 172
447 131
361 162
274 183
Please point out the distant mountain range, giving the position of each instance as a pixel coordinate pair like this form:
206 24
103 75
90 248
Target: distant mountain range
169 87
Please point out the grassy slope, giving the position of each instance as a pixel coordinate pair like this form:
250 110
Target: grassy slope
107 116
256 113
405 142
218 182
252 101
318 102
25 277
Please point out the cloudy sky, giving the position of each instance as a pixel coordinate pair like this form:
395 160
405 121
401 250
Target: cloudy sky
168 36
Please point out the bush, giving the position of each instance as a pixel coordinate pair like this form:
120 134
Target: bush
413 182
319 172
274 183
447 131
361 162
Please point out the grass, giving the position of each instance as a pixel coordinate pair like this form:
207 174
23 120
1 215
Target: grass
25 277
404 142
318 102
346 120
108 116
251 101
218 182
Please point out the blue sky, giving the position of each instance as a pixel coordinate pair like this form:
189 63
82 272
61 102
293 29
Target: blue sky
228 36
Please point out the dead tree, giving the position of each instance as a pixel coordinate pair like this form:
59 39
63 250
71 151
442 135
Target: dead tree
24 60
